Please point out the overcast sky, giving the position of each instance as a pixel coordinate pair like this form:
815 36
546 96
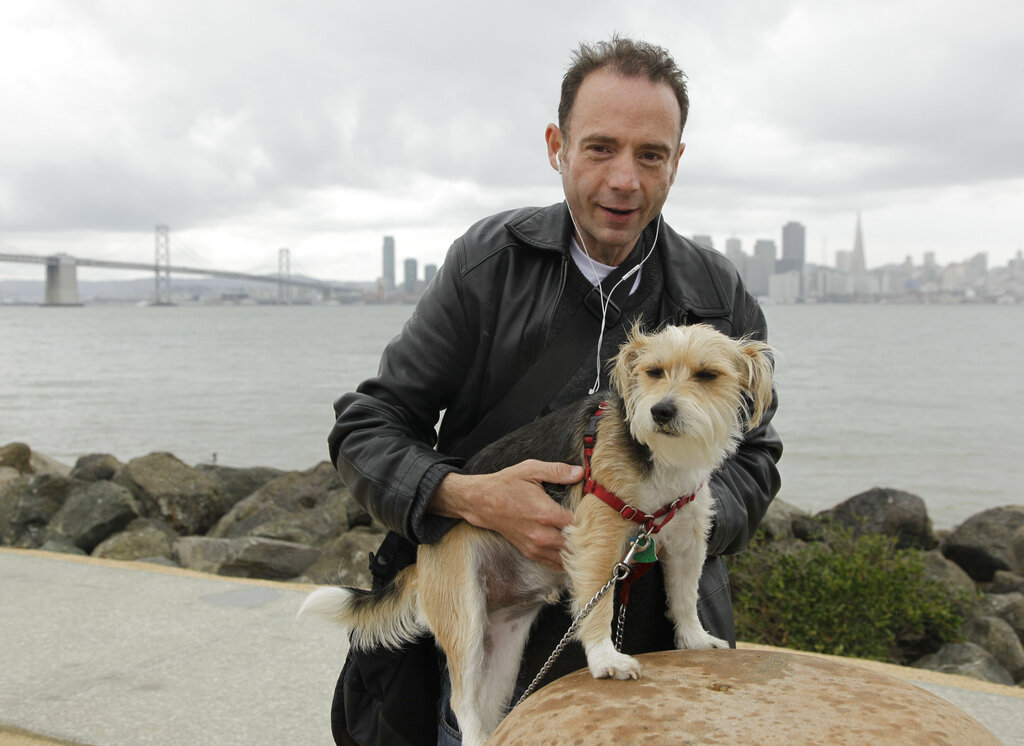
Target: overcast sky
323 125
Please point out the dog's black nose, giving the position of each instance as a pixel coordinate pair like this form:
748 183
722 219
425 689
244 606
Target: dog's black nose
663 412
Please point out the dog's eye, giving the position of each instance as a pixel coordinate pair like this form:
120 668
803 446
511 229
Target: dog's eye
655 372
706 375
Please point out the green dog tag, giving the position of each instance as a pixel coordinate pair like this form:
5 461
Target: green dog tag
648 554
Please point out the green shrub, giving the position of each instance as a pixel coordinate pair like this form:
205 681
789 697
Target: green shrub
859 597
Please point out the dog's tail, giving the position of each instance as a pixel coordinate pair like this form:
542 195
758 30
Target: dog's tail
387 618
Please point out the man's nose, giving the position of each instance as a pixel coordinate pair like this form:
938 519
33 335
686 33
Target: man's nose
623 174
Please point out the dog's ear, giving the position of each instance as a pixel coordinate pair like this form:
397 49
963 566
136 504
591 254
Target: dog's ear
624 363
756 369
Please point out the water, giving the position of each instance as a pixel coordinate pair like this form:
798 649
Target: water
921 398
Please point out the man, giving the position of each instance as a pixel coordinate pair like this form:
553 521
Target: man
508 287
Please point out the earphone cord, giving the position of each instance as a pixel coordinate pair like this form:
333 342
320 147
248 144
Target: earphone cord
606 300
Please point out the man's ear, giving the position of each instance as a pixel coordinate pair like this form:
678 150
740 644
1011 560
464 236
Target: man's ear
553 137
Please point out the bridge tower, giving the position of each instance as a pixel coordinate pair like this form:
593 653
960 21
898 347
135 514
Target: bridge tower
61 281
284 274
162 267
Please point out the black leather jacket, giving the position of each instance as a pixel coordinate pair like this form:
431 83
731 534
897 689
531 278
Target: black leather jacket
479 326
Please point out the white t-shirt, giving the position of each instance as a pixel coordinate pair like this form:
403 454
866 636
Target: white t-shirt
593 270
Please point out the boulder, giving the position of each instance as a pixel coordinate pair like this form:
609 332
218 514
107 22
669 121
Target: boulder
965 659
43 464
248 557
346 560
61 544
17 456
777 524
1017 545
953 577
169 489
883 510
143 538
29 503
999 639
92 512
309 507
738 697
236 483
96 467
1004 581
984 543
1006 606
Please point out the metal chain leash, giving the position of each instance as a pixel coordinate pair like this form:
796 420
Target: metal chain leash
619 572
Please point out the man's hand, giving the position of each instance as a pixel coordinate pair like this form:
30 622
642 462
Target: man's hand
513 503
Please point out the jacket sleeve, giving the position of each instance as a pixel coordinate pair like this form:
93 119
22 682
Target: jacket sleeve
382 440
745 485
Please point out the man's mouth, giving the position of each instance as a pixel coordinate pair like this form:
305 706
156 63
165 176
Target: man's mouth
620 212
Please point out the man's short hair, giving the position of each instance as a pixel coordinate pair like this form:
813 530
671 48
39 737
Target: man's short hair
629 59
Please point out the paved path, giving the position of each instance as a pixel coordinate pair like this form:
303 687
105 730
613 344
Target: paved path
128 654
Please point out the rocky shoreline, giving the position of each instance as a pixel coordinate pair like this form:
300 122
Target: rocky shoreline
305 526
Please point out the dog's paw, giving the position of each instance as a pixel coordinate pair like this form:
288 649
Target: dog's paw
605 662
700 640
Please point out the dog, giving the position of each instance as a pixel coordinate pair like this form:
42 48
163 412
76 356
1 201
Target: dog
680 402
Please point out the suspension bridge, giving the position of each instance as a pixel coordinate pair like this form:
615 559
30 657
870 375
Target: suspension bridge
62 274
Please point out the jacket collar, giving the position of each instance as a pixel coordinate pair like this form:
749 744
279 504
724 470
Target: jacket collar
691 284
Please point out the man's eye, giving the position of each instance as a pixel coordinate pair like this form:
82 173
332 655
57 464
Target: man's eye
655 373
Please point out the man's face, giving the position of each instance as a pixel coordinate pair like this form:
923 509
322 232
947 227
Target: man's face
619 159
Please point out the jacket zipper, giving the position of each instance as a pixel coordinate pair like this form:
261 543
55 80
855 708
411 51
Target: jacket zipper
558 299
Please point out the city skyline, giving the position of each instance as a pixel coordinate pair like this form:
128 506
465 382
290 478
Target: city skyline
324 126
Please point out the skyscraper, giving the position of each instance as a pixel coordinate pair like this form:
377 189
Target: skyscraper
389 263
793 247
410 276
858 265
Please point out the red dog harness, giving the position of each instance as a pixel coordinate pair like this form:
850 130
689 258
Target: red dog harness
649 522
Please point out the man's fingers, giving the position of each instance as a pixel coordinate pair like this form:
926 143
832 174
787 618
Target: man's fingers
553 472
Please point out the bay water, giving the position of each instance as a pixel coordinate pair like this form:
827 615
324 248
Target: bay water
926 399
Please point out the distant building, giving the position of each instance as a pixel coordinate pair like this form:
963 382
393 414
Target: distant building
761 267
389 263
794 244
858 265
409 285
429 270
705 241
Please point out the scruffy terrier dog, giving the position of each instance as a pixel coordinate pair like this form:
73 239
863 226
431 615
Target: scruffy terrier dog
682 398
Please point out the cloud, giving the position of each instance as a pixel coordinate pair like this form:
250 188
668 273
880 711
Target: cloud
323 121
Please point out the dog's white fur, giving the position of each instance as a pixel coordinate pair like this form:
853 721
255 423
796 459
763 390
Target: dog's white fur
684 396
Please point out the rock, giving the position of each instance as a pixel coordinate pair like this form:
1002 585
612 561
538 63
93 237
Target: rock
738 697
965 659
17 456
1004 581
143 539
42 464
29 503
7 475
309 507
170 489
61 544
777 524
984 543
953 577
1017 545
237 483
999 639
248 557
886 511
1006 606
92 512
346 560
96 467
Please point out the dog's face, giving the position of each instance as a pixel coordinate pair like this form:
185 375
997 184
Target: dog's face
689 391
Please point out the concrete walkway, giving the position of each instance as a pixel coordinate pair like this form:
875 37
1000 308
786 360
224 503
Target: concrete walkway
128 654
